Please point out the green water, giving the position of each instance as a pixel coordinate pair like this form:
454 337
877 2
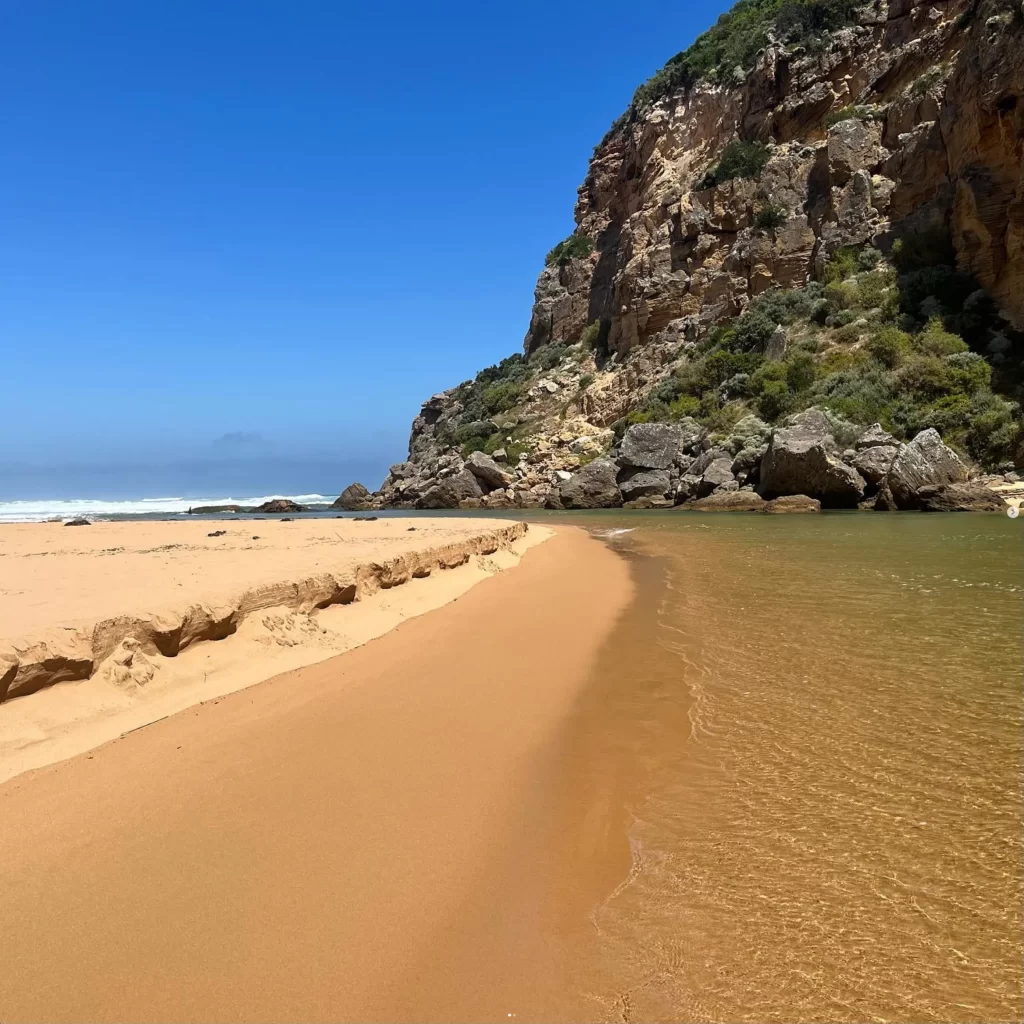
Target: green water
812 727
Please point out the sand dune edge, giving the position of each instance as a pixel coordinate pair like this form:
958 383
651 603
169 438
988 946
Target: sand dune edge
70 689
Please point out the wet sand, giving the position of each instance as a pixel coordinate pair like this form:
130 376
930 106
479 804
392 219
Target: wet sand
375 837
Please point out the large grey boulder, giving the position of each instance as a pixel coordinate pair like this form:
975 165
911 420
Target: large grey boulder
353 497
799 460
727 501
701 463
718 475
687 488
874 463
643 483
968 497
876 435
594 486
925 460
403 470
650 445
447 493
487 471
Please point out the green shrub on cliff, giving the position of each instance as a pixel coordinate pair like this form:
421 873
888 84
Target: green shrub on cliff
571 248
738 160
770 217
737 37
875 361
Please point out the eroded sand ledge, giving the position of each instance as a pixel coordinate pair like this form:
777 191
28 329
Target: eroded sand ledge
286 594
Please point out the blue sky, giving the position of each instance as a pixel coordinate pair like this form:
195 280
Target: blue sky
235 231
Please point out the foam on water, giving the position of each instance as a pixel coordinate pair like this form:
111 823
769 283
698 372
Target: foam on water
39 511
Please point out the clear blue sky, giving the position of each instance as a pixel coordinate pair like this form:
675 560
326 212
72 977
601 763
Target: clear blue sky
236 231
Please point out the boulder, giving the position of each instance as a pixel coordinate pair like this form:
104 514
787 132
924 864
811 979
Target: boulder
968 497
650 445
354 496
727 501
792 503
654 501
205 510
812 420
716 476
775 348
747 464
874 436
500 455
78 522
874 463
799 461
701 463
884 501
487 471
643 483
279 505
450 491
687 487
925 460
594 486
403 470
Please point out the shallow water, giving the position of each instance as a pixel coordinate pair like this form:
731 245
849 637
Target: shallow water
809 732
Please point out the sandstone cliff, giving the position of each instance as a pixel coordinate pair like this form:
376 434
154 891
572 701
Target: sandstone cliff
838 224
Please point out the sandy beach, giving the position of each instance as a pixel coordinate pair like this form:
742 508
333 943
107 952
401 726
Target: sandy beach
109 627
370 838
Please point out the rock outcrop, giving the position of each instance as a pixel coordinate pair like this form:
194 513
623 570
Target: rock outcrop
279 506
801 459
353 498
925 461
594 486
895 141
970 497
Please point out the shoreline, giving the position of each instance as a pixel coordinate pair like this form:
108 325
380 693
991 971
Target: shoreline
375 837
77 683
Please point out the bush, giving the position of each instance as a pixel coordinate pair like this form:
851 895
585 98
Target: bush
738 160
735 40
586 380
844 263
684 405
572 248
588 339
547 357
937 341
773 400
970 372
514 368
800 371
752 331
501 397
770 217
890 346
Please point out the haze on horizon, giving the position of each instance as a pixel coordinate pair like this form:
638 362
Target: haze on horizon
284 222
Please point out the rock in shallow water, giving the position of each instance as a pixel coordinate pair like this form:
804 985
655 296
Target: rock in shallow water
594 486
650 445
969 497
799 461
924 461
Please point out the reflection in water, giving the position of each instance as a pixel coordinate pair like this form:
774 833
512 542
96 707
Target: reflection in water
810 732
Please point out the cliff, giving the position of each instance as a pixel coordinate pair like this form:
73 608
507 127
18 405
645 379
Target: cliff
818 205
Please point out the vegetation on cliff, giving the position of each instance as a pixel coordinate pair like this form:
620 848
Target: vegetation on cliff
874 342
734 41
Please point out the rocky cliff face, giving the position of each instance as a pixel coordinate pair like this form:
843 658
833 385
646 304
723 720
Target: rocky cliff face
905 125
941 142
